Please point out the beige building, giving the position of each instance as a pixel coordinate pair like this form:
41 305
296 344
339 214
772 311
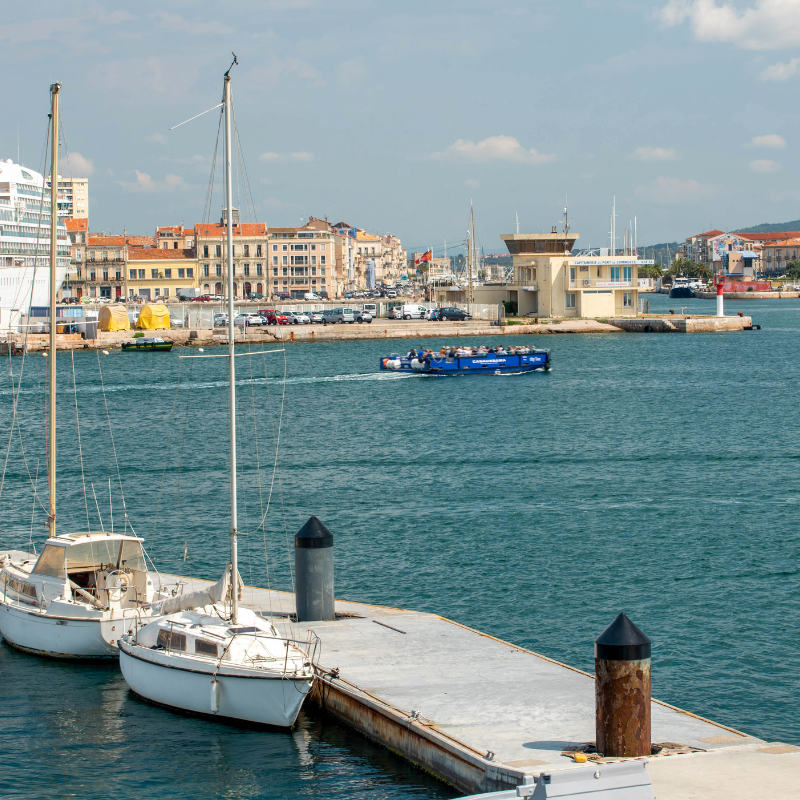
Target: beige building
551 282
72 197
77 233
102 272
174 237
250 258
548 281
302 260
158 274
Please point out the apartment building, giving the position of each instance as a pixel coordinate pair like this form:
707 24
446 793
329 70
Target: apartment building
250 258
77 233
696 248
72 197
777 255
102 273
157 274
174 237
302 260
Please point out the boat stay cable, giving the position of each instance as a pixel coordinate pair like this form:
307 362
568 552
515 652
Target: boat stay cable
166 456
80 449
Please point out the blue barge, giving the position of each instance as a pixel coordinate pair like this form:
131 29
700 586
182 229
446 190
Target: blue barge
489 364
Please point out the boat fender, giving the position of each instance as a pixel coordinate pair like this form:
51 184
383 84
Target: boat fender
215 691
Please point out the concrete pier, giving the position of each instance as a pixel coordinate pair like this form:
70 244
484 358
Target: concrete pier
481 713
391 329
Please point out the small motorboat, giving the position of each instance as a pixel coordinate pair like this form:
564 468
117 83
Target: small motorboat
147 344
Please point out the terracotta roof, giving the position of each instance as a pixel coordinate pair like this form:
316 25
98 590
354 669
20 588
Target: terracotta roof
366 237
242 229
764 237
105 241
285 230
178 229
77 224
154 254
141 241
715 232
794 242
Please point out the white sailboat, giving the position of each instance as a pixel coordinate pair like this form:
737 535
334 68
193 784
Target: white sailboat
207 654
85 589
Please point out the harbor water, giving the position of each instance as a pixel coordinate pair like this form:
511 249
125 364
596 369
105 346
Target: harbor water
655 474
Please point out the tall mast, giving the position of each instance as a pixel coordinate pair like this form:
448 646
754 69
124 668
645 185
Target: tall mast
51 411
472 251
231 350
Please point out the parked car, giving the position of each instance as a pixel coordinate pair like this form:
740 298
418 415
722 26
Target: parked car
255 296
204 298
348 295
220 320
243 320
311 296
362 315
281 296
391 293
274 317
432 313
314 316
413 311
176 322
396 312
297 318
334 315
446 314
372 308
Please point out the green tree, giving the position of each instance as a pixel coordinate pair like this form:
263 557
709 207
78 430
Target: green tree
685 268
793 270
650 271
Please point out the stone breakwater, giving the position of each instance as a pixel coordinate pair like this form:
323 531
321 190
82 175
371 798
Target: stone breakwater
388 329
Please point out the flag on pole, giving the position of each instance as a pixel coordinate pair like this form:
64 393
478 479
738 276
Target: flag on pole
425 257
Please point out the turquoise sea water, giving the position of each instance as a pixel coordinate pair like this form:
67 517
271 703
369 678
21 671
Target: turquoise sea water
654 474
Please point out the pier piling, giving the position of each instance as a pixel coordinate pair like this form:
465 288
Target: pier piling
622 691
313 564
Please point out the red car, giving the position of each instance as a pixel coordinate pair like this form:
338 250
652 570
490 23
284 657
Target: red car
204 298
274 317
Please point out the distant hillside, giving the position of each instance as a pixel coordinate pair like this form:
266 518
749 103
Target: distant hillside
662 254
770 227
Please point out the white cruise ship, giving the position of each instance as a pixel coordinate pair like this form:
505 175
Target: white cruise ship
25 244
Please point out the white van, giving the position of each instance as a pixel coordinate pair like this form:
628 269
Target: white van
414 311
372 308
311 296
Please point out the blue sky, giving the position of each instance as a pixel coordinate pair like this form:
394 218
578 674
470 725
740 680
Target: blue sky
393 116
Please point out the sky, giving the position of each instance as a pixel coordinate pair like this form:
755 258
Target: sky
395 116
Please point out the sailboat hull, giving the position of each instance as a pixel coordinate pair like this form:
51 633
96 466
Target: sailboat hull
58 637
239 695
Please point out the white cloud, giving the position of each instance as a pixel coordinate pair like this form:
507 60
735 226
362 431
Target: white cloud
158 138
767 25
774 140
145 183
764 165
79 166
283 70
276 157
351 73
654 154
675 190
472 183
781 72
495 148
176 22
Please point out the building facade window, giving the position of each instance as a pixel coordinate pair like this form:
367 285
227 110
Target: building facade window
190 272
246 268
131 272
614 274
167 273
627 274
259 269
153 273
219 270
247 249
141 274
218 250
205 251
181 273
258 249
627 299
571 300
322 259
205 270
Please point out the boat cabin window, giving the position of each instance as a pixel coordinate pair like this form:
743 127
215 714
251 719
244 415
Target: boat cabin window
98 553
205 648
51 562
171 640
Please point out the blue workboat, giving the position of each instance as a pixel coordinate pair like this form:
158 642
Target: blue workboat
488 364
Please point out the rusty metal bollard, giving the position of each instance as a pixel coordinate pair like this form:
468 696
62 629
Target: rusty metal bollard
622 690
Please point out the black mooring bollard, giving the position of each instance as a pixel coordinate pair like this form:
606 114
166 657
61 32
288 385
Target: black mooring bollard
313 572
622 690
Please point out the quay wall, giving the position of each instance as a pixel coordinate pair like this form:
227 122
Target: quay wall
385 329
746 295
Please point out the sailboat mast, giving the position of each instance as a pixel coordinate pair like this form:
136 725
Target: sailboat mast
472 252
231 352
51 411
